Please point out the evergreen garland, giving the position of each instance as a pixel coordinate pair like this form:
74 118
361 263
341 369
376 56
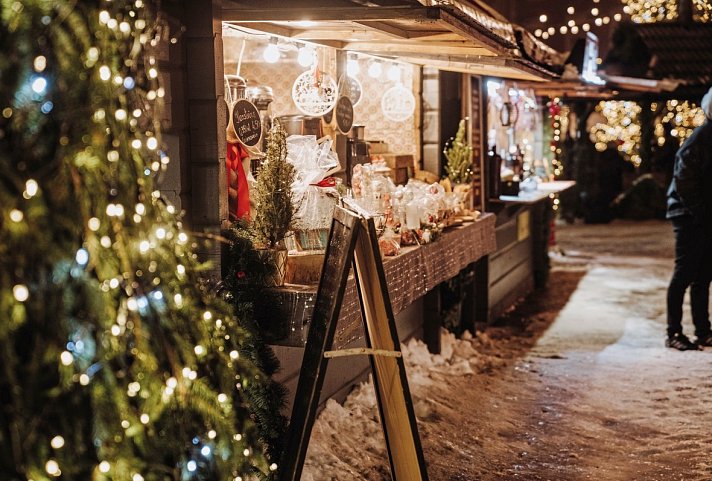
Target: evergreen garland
459 157
273 193
114 364
246 275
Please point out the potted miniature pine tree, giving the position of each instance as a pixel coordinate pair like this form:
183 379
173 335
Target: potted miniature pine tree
458 153
273 204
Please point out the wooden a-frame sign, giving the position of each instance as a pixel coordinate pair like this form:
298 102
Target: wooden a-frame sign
353 240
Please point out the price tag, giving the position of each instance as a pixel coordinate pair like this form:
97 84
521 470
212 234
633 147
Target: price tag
344 114
247 123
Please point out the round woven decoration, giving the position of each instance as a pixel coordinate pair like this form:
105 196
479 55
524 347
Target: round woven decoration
398 103
314 98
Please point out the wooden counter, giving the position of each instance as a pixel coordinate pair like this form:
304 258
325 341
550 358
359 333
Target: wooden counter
284 313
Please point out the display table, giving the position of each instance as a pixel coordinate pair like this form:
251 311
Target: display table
523 230
543 190
284 313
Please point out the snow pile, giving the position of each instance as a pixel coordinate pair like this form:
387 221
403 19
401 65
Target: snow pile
350 435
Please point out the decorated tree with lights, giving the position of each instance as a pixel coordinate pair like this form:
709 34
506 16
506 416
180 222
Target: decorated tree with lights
459 157
114 363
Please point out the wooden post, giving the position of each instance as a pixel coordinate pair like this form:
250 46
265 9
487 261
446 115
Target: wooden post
432 319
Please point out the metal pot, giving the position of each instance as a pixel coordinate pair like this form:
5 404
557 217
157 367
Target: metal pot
301 125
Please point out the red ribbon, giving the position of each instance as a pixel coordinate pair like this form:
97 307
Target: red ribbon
328 182
235 154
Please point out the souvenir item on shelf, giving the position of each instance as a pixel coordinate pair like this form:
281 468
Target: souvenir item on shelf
314 192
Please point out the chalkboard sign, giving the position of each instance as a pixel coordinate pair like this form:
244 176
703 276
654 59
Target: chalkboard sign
350 87
247 123
335 271
353 240
344 114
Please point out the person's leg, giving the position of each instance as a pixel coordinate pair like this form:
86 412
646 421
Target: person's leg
699 301
700 291
686 271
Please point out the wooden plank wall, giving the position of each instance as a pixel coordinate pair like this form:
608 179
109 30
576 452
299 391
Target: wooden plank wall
195 118
511 268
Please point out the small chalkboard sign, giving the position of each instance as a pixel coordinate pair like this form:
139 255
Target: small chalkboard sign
247 123
344 114
351 88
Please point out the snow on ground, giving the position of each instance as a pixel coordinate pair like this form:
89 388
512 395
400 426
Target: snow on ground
574 384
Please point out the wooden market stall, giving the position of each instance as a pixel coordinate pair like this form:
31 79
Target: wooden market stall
465 38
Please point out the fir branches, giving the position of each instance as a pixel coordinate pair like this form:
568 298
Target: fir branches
114 363
459 157
273 196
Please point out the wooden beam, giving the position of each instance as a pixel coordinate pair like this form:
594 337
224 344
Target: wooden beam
424 49
474 31
385 28
317 14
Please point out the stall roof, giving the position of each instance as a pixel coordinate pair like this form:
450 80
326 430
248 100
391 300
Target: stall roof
676 52
460 36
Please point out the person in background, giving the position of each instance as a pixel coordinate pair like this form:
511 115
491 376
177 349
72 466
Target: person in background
689 206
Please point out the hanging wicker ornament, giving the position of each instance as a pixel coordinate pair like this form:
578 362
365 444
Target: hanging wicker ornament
398 103
314 93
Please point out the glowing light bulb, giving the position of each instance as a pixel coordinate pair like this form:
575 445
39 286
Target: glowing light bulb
305 57
20 292
375 70
57 442
352 67
31 188
52 468
394 73
39 85
16 215
271 53
543 18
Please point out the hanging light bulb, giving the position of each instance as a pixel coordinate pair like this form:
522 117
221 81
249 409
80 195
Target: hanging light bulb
375 70
352 67
306 55
394 73
271 53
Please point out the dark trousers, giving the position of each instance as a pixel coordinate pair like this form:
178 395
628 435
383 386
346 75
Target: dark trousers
693 269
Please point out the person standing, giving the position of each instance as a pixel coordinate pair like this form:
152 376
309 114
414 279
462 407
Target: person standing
689 206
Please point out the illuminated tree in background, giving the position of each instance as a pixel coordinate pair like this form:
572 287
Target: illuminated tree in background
648 11
114 364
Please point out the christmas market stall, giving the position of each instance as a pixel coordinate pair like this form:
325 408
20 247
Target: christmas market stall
360 92
379 104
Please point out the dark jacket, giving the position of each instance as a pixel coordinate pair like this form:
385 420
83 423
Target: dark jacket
690 192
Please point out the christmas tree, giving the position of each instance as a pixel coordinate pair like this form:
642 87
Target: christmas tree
114 363
459 157
273 194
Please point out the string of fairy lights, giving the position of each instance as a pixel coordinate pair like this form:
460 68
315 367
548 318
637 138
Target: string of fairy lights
649 11
571 27
639 11
108 229
621 124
